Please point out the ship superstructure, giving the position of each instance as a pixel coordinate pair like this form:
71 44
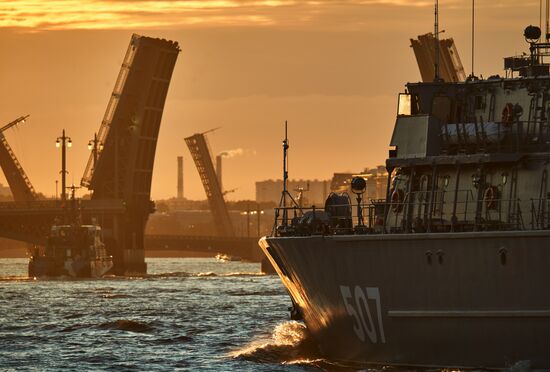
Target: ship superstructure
451 269
73 249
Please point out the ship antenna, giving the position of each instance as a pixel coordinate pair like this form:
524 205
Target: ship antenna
286 146
436 39
547 21
285 194
473 35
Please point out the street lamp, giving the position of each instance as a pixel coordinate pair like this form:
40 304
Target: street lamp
247 214
63 142
95 146
259 213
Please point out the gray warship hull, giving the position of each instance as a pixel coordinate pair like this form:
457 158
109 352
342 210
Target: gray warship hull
470 299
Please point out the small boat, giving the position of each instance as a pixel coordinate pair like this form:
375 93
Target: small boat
72 250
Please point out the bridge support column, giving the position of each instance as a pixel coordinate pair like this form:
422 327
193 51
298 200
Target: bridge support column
127 243
134 261
133 250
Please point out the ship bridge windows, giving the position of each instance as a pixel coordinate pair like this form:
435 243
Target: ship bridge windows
479 103
441 108
407 105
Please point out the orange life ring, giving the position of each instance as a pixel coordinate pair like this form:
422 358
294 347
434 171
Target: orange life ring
397 200
508 114
490 197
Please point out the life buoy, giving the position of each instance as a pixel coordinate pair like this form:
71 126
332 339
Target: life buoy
397 200
490 197
508 114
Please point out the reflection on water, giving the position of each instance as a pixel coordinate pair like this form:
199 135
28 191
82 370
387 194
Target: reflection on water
187 313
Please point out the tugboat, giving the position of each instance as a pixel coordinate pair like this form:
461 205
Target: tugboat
73 250
452 269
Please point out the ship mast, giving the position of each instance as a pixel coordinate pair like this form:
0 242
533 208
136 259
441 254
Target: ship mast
473 35
285 194
285 175
436 38
547 35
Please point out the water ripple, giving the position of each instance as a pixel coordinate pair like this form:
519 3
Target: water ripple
188 314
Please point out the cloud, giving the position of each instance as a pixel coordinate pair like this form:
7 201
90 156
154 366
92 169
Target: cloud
40 15
102 14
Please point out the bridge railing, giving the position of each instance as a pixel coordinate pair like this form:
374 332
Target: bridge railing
113 205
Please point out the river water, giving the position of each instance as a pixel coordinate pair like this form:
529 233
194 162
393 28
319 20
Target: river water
186 314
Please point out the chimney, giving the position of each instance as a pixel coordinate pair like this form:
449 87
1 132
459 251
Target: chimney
180 177
219 170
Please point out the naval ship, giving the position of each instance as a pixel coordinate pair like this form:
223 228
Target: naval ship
452 268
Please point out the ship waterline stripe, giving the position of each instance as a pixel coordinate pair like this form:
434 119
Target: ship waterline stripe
469 314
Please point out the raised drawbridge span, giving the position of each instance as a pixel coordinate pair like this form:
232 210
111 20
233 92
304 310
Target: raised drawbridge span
20 185
200 151
118 175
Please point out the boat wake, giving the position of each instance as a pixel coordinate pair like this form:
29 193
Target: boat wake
17 278
230 274
289 344
183 274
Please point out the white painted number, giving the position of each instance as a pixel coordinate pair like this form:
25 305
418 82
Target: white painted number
357 327
360 312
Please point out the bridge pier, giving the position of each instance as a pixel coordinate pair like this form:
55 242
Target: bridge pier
128 232
134 262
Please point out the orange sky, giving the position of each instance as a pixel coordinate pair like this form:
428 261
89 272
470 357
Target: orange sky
332 68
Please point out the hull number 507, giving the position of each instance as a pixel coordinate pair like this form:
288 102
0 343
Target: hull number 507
356 301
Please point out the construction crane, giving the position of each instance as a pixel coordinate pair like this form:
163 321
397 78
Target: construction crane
20 185
229 191
200 152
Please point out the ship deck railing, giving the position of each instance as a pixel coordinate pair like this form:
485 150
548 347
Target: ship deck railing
419 212
531 135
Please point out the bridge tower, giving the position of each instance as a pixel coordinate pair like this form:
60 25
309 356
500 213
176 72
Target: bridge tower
20 185
200 152
129 131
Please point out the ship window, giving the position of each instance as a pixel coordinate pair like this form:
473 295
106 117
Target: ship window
441 108
480 103
404 105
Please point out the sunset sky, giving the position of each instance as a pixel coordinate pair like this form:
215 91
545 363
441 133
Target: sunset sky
331 68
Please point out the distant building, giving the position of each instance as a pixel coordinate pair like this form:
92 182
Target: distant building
341 182
5 191
376 178
377 182
309 191
201 222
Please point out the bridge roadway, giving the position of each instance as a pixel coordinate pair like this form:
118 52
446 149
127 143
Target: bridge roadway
31 221
245 248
